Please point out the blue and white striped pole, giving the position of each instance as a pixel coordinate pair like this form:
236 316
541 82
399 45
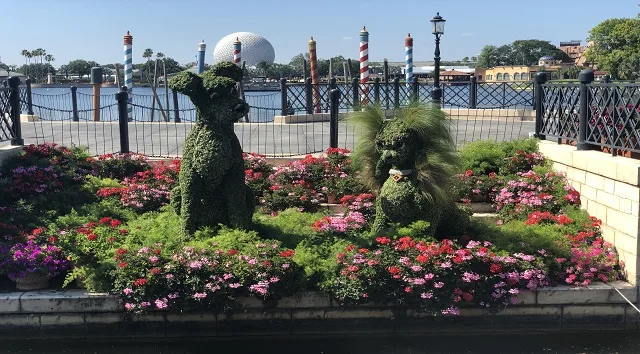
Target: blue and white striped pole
408 59
201 51
128 69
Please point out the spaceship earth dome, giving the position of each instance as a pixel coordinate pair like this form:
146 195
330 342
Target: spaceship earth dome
255 49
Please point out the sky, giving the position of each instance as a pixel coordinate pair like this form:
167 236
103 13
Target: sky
93 29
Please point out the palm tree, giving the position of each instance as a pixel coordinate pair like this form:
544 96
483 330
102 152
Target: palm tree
25 54
160 55
29 56
148 53
264 66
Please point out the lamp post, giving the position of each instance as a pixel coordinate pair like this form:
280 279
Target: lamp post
438 30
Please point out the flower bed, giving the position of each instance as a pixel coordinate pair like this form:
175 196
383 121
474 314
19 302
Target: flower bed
115 232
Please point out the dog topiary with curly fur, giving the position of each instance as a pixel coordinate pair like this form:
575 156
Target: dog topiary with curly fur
212 190
410 162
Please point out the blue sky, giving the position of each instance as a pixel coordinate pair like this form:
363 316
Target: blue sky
93 30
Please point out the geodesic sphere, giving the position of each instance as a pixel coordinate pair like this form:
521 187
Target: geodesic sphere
255 49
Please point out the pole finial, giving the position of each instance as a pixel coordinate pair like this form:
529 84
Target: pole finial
409 34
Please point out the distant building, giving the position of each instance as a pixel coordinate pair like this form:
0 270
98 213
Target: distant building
427 71
519 73
574 49
4 75
454 76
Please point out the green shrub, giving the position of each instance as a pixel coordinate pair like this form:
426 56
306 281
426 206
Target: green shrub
482 157
289 227
319 261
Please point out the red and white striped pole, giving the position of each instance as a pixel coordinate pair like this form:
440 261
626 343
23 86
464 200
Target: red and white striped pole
237 48
315 78
364 65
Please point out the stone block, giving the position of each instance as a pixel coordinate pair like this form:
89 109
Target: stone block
148 325
29 118
470 320
593 294
626 242
579 160
635 209
609 185
10 302
306 300
104 325
605 317
255 322
594 180
560 167
56 326
529 318
632 321
250 302
609 200
191 325
626 223
627 191
608 233
588 192
555 152
599 211
359 320
75 300
575 184
576 175
526 297
20 326
627 170
626 206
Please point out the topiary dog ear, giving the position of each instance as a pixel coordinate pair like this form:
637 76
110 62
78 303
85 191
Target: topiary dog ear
227 69
218 86
187 83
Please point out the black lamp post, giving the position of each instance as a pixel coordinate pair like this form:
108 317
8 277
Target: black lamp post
438 30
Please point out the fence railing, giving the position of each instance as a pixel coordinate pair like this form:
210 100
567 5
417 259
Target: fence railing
604 114
10 129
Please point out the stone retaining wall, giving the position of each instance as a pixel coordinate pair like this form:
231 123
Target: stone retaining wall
609 190
55 314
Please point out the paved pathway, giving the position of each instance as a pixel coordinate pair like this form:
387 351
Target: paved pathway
167 139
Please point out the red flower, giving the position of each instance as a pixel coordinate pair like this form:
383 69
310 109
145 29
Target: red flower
394 270
38 231
468 173
104 220
155 270
111 239
353 268
422 258
140 282
115 223
383 240
495 268
92 237
232 252
121 251
122 264
363 250
52 239
350 248
407 289
91 224
467 297
287 253
124 231
156 251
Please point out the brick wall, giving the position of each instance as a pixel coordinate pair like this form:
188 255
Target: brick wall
610 190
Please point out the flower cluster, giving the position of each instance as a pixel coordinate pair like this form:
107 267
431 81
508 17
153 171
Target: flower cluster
350 221
522 161
438 276
256 173
592 261
146 190
121 165
362 203
33 257
472 187
540 217
533 191
202 278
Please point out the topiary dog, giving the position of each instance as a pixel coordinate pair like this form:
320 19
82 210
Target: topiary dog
410 162
212 190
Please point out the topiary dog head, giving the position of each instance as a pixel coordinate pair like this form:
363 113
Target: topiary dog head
214 93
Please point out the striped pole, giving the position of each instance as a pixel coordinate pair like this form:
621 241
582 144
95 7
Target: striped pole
315 79
201 51
237 48
364 65
128 70
408 59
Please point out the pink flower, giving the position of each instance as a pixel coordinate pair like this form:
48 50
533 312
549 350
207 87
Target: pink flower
438 285
161 303
426 295
129 306
127 291
199 296
235 285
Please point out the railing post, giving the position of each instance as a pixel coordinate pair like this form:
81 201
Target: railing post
355 91
176 109
283 97
396 93
414 88
473 93
538 80
615 115
376 90
123 119
14 99
585 77
29 98
74 103
332 83
308 89
334 109
504 94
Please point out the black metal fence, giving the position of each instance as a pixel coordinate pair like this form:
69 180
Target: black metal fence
10 129
588 114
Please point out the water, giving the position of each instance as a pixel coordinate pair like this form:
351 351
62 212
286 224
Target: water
591 342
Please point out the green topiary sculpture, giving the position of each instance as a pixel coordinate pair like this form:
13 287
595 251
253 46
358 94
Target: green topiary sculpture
410 163
212 190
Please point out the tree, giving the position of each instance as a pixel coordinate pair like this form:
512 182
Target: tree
81 67
172 66
520 52
474 59
465 59
616 47
263 66
4 66
160 55
297 62
148 53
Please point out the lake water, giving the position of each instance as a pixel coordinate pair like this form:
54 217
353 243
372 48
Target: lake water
56 103
591 342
